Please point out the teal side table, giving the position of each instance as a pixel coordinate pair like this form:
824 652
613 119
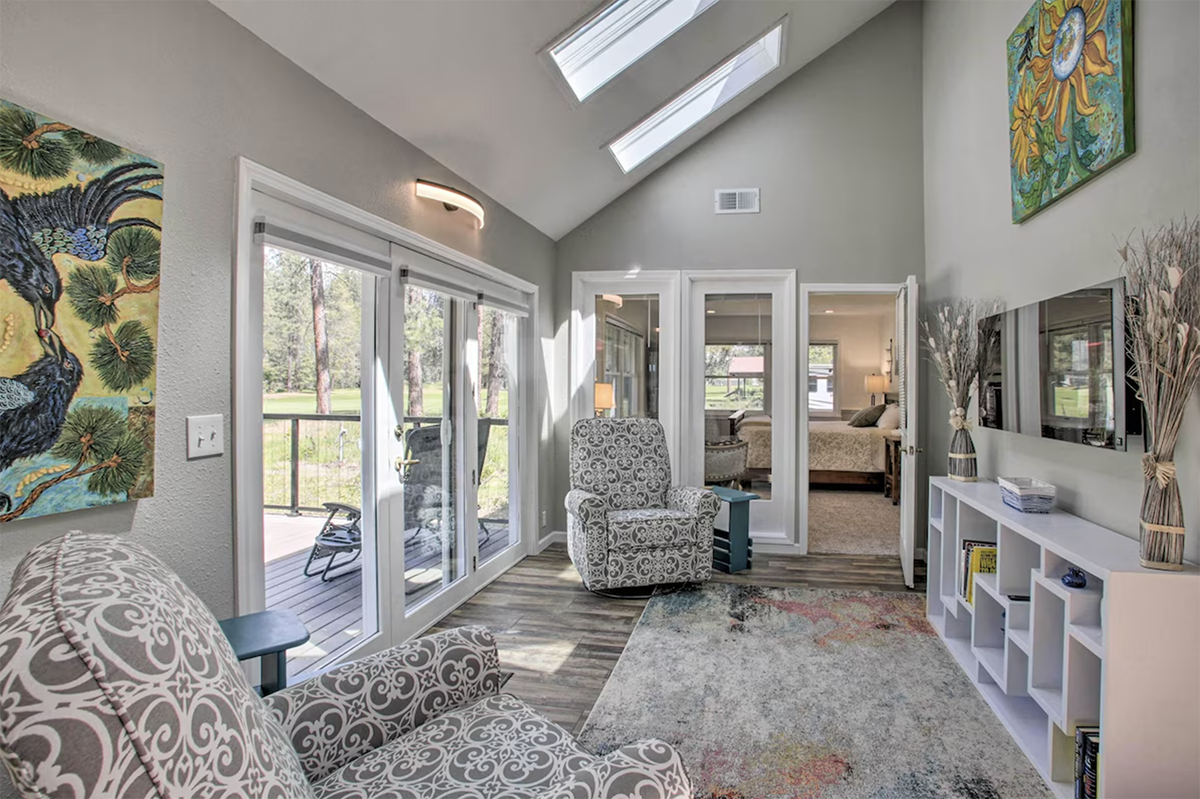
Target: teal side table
268 635
732 548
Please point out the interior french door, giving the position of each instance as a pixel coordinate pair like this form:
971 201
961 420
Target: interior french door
908 342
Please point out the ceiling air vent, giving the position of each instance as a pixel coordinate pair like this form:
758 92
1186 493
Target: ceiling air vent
737 201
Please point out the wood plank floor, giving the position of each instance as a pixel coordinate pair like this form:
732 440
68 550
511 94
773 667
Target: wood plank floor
561 641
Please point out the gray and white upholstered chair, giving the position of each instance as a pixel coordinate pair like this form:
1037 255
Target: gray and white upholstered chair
626 524
117 683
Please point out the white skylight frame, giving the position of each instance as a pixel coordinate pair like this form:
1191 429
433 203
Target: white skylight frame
614 38
687 109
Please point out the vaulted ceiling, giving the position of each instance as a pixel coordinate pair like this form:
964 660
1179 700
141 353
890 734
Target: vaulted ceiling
463 80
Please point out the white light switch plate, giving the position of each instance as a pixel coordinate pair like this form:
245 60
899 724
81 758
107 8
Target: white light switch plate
206 436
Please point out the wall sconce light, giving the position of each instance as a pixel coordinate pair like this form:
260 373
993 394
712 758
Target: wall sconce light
616 299
452 199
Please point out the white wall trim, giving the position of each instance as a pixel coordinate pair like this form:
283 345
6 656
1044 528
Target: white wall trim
555 537
807 290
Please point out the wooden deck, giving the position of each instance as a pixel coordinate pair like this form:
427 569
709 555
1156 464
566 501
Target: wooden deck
333 611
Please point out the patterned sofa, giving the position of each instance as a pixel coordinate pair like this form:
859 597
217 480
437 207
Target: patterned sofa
626 524
115 681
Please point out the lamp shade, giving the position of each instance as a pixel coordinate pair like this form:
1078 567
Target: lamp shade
875 384
604 397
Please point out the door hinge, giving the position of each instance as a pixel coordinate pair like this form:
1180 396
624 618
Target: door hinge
474 480
474 563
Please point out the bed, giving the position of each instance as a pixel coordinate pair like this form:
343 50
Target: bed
839 454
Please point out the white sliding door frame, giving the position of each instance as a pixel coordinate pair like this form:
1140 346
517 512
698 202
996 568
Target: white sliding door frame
807 291
325 210
585 286
780 527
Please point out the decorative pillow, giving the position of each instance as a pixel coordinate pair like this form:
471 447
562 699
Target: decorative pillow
117 681
890 419
867 417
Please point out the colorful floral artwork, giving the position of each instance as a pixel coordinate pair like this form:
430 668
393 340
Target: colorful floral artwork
80 220
1070 97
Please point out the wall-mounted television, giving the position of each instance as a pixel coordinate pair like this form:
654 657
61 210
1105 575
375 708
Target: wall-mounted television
1057 369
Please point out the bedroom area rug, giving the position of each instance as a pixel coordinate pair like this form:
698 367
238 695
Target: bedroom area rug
772 693
852 523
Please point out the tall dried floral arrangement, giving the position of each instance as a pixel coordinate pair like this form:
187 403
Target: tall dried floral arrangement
950 334
1162 311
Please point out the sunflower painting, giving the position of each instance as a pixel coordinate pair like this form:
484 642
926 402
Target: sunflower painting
1070 97
80 225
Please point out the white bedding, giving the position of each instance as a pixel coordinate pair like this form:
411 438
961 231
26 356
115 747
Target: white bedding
836 446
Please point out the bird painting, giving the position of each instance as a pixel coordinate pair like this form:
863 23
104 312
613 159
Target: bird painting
80 228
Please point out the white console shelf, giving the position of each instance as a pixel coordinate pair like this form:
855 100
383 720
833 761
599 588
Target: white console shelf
1123 652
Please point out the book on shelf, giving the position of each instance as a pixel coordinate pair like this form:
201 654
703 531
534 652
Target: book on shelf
1087 762
964 564
983 561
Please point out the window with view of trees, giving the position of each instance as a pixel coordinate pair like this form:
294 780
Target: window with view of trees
734 376
822 379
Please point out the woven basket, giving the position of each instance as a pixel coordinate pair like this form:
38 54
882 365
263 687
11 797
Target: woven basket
962 465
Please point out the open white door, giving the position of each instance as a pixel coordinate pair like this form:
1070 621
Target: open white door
908 339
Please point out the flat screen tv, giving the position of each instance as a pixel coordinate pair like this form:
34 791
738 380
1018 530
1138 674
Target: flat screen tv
1057 369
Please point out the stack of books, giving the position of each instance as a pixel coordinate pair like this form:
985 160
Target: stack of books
978 557
1087 762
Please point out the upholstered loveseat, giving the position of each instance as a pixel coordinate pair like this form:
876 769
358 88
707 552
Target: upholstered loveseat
626 524
115 681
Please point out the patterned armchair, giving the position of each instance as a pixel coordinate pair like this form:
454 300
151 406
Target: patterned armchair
626 524
117 682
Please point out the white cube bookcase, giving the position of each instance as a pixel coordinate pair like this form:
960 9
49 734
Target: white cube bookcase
1123 652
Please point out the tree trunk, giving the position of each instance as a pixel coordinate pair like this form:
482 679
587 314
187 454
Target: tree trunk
495 369
289 385
320 337
416 397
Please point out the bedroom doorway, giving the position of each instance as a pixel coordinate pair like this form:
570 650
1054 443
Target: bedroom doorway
854 447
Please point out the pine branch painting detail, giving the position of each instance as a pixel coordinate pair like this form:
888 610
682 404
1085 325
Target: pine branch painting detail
80 247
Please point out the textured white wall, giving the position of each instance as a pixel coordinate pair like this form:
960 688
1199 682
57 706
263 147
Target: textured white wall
836 150
972 247
186 85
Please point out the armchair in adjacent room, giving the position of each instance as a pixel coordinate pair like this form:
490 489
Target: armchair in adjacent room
626 524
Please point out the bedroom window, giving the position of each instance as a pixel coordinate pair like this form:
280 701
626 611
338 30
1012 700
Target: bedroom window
624 366
822 379
734 376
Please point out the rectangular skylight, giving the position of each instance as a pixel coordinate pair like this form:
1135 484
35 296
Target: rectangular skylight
701 99
616 36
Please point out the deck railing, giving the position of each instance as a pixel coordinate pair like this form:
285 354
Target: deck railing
310 458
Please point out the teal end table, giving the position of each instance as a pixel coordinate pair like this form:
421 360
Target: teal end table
732 548
268 635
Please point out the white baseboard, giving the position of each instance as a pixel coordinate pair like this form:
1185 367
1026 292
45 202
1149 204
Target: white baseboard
555 537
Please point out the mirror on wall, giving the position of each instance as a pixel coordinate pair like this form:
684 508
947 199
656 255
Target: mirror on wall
1056 369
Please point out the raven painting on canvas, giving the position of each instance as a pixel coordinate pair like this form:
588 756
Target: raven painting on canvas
80 244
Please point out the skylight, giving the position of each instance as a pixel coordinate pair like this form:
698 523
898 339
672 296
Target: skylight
701 99
619 34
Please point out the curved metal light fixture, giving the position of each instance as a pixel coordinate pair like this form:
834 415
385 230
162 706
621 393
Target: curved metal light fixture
452 199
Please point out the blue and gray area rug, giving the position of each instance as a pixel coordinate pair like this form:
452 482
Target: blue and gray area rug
795 693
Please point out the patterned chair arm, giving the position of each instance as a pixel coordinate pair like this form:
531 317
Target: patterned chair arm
647 770
590 508
700 501
343 713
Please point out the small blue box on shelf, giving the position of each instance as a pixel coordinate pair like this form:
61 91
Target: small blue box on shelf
1026 494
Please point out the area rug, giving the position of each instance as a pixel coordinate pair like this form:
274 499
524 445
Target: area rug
852 523
800 693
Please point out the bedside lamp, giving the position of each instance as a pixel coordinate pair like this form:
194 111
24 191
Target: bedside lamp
875 384
604 398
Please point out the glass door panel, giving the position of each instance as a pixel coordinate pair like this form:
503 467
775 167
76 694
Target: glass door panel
627 355
499 490
318 523
738 433
434 556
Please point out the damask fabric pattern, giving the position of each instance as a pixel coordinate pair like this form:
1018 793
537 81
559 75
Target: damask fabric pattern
836 446
626 524
348 711
117 682
648 770
497 748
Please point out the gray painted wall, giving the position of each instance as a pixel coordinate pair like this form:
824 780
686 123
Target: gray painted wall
836 150
972 248
196 91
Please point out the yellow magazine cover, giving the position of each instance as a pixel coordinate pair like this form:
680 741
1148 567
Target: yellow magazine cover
983 560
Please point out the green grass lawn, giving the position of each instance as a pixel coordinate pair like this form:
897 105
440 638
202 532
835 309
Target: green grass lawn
330 464
1071 402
